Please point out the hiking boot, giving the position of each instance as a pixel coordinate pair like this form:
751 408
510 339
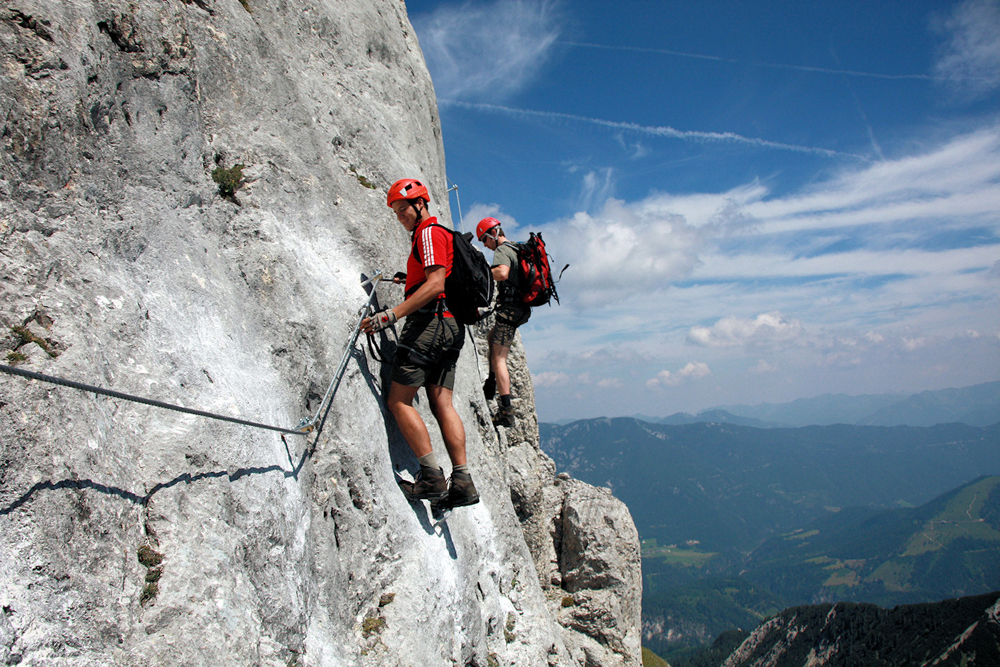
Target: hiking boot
463 491
504 416
429 484
490 387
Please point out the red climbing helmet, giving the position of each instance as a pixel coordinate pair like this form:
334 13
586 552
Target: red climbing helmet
407 188
485 225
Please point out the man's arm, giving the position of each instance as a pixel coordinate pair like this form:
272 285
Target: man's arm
427 292
504 258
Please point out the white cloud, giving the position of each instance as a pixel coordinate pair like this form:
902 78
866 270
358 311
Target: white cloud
597 188
886 265
970 60
663 378
764 367
662 131
734 331
694 370
622 250
480 211
911 344
487 51
550 379
957 180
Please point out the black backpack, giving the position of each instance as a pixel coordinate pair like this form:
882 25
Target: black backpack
469 286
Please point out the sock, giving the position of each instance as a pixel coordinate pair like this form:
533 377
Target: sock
505 400
464 468
429 461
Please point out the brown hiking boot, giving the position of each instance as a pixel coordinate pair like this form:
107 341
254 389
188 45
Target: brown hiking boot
429 484
504 416
463 491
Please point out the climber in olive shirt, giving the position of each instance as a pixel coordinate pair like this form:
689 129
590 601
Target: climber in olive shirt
428 351
511 313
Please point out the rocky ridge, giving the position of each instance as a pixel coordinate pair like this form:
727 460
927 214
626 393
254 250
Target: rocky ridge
190 193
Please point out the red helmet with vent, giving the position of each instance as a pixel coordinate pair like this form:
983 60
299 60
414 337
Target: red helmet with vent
407 188
484 226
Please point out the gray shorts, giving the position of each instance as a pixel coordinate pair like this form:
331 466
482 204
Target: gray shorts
428 351
508 319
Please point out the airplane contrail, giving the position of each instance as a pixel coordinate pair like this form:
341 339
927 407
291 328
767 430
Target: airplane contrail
801 68
659 131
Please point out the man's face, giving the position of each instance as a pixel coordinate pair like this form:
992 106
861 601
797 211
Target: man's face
405 213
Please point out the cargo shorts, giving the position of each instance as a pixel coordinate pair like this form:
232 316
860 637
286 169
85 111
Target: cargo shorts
508 319
428 351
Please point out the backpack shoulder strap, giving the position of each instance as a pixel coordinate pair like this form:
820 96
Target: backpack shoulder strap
413 246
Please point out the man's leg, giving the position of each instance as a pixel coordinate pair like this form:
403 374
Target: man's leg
452 429
490 385
498 361
411 425
498 364
462 491
430 482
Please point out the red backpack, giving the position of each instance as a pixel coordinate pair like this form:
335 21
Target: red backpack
536 283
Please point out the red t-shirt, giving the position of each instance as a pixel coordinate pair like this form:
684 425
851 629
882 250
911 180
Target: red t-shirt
431 247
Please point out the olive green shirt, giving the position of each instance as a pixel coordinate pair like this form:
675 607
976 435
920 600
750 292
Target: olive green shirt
506 255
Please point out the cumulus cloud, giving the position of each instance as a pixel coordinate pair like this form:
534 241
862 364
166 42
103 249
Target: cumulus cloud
694 370
550 379
487 51
735 331
911 344
480 211
623 249
898 257
970 58
764 367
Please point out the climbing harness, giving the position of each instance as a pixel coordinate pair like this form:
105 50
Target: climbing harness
304 427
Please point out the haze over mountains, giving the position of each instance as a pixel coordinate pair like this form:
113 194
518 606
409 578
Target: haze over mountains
978 405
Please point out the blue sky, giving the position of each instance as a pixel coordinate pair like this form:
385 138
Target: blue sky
759 201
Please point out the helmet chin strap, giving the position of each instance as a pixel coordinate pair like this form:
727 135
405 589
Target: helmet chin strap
416 211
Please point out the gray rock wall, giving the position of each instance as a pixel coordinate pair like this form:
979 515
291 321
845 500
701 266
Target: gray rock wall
134 535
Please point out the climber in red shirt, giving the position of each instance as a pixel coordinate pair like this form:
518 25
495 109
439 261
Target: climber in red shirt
428 351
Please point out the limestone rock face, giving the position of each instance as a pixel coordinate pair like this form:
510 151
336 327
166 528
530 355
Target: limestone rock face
190 194
583 540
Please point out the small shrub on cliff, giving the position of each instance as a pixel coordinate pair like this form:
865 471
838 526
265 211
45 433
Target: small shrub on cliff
14 357
371 625
229 180
149 557
362 179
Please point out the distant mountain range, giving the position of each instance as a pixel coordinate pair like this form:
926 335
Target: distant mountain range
978 405
730 487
